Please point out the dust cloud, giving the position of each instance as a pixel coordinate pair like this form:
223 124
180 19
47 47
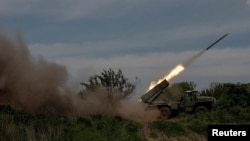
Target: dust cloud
39 86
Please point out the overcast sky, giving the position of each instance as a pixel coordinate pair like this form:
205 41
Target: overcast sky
145 38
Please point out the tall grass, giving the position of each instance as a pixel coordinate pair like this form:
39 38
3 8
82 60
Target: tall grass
23 126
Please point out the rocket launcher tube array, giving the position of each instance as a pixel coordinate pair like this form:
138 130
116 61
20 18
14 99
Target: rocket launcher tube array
152 94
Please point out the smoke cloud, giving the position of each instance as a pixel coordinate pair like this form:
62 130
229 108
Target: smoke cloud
37 85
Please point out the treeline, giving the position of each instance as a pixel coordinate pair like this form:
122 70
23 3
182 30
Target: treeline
233 102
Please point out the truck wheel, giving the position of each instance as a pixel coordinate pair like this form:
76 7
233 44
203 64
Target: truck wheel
201 109
165 112
151 113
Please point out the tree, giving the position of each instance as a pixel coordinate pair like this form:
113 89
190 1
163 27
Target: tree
113 82
232 102
176 90
184 86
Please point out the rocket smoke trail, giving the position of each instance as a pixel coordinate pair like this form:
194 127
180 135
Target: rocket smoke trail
190 60
180 67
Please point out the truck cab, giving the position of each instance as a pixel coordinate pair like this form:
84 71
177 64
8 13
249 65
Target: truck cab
193 102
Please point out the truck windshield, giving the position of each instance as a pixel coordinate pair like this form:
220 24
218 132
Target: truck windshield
196 93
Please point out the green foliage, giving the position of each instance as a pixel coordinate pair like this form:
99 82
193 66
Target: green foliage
176 90
153 135
23 126
197 122
184 86
233 103
112 81
173 129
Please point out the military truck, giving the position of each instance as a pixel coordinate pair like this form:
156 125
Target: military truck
190 102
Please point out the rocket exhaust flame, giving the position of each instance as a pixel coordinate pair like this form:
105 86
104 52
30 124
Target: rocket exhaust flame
174 72
179 68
